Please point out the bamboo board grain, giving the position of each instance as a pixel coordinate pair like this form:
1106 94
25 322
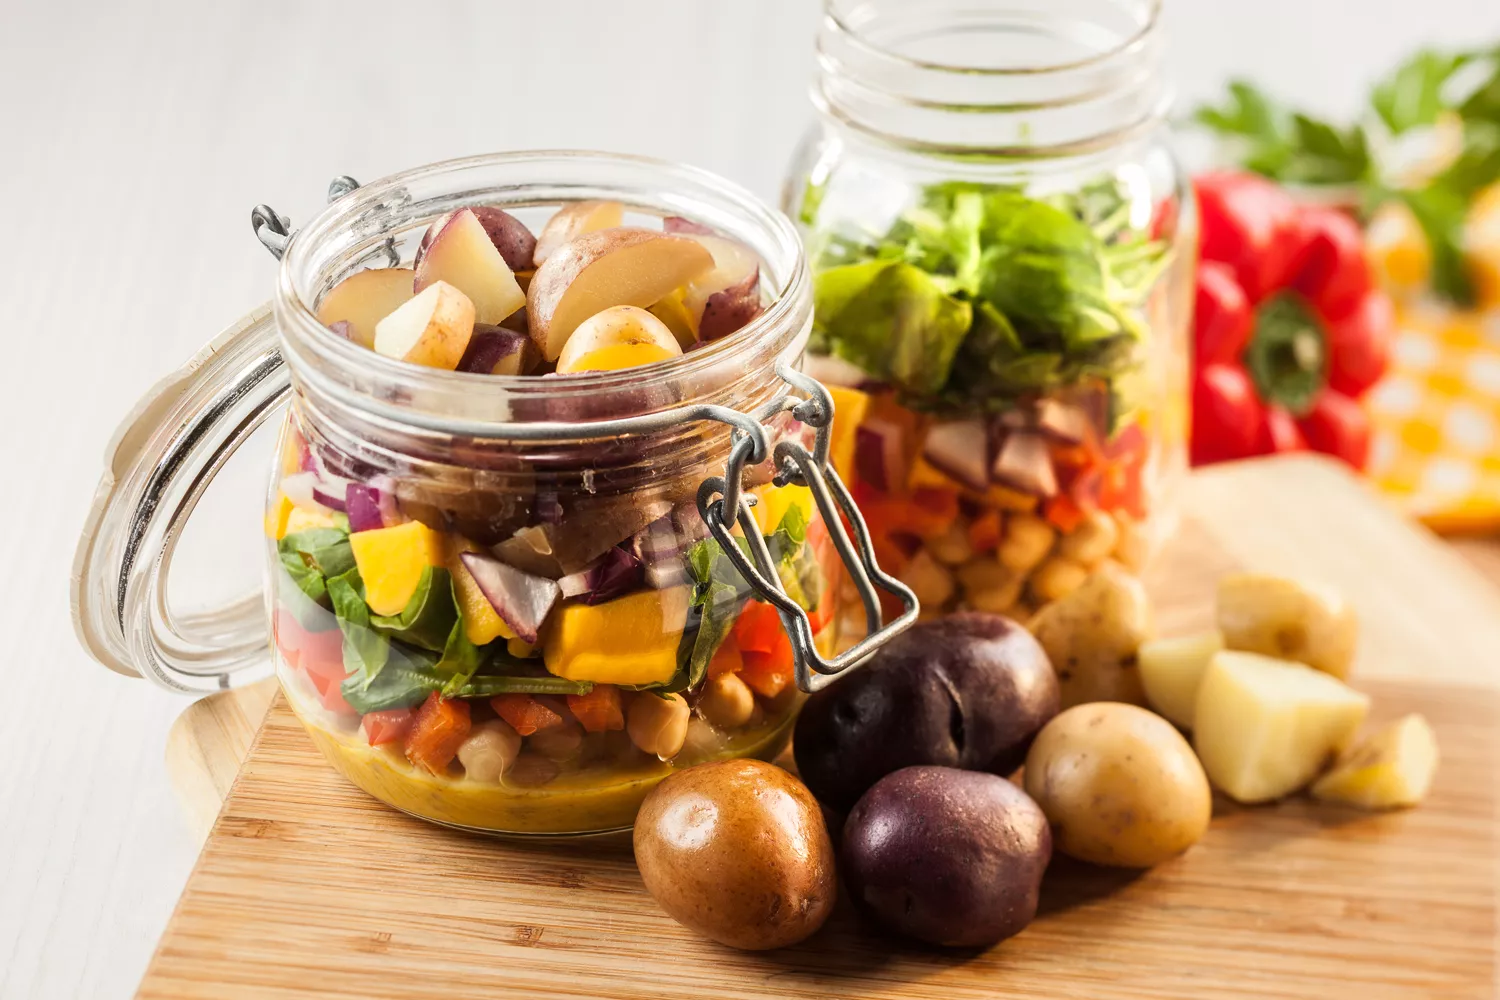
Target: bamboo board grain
307 887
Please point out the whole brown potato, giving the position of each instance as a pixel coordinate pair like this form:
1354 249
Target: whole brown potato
1119 785
737 851
968 691
950 857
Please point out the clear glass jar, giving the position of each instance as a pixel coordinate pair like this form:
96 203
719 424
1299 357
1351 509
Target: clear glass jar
501 603
1002 243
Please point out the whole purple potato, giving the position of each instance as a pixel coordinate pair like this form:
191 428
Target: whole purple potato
949 857
969 691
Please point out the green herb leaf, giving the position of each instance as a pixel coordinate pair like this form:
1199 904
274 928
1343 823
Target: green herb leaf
1287 146
1441 212
460 661
324 549
893 320
428 618
1412 96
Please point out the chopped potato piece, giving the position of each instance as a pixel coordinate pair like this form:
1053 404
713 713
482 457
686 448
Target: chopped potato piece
1264 728
1172 669
1393 768
1288 619
432 329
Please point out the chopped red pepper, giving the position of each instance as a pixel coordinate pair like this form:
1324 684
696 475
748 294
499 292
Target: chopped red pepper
437 731
387 726
598 711
524 713
1307 324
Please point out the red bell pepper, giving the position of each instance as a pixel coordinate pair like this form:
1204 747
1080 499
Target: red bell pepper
1290 329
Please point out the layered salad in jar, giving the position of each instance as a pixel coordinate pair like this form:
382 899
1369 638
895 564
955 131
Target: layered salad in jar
531 650
1007 361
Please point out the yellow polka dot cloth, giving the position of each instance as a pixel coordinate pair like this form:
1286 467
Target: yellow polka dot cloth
1436 418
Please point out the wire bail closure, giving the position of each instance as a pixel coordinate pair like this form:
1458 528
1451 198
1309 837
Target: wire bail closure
810 403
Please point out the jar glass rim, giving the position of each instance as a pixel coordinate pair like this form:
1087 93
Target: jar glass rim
299 284
840 22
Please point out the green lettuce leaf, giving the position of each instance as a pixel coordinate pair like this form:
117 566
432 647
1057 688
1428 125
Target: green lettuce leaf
893 320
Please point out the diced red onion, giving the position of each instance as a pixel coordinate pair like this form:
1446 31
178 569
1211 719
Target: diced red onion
678 224
617 573
300 488
362 504
659 549
342 328
328 499
548 507
960 448
880 454
522 600
1023 463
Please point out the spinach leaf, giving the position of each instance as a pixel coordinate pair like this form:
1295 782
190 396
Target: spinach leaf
406 680
308 581
366 652
323 549
489 685
893 320
428 618
460 661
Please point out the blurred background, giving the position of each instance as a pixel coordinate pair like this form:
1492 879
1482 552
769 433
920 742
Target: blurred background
136 139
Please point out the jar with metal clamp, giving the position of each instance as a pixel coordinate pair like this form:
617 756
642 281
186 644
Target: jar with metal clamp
504 602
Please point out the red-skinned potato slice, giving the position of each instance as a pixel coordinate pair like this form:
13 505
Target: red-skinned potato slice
572 221
613 267
365 298
431 329
509 234
462 255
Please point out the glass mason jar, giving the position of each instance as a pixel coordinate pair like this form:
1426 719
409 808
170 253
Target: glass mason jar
504 603
1002 245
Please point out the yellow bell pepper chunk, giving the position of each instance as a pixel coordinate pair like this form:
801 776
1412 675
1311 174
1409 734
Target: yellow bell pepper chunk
630 640
277 517
391 561
482 624
850 407
674 315
302 519
774 501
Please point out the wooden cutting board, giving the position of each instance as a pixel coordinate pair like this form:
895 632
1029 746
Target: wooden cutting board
307 887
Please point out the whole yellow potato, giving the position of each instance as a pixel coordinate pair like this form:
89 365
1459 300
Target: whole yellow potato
737 850
1119 785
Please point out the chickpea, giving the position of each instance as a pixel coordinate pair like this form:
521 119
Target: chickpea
726 701
489 751
559 743
531 770
658 725
952 547
1092 541
1057 577
1131 545
930 581
1025 542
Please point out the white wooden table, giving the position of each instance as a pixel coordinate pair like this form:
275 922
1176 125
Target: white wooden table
133 140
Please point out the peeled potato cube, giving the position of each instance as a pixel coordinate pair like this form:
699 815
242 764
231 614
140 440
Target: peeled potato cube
615 267
574 220
615 328
365 298
1264 728
1288 619
462 254
432 329
1172 670
1393 768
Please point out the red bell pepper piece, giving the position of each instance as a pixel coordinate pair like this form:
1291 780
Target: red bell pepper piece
437 731
1222 319
524 713
386 726
1227 415
1338 426
1280 433
1250 224
1281 365
598 711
